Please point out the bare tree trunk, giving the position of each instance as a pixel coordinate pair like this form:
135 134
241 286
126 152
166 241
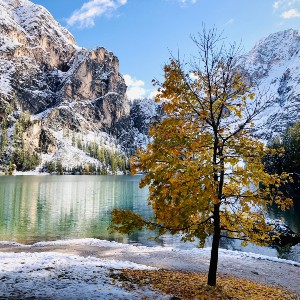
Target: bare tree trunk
213 266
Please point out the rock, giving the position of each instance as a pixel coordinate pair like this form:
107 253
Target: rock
31 137
133 129
47 141
285 235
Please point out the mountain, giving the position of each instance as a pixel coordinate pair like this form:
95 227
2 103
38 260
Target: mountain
64 108
274 64
75 96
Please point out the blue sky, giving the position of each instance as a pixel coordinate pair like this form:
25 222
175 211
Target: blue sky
143 32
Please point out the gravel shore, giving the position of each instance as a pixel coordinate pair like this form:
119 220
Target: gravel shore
255 267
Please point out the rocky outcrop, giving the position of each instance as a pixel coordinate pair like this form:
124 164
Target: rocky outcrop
47 141
32 46
31 137
44 69
133 129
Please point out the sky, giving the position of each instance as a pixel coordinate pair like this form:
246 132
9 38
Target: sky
144 33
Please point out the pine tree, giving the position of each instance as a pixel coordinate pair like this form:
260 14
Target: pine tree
291 144
59 167
3 135
274 160
100 154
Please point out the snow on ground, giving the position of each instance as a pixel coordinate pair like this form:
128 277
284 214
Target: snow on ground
64 276
69 155
260 268
82 255
33 172
144 249
6 70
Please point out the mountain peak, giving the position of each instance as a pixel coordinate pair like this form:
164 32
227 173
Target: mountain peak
32 21
275 48
274 64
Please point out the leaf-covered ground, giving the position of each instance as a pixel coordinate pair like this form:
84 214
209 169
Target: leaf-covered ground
183 285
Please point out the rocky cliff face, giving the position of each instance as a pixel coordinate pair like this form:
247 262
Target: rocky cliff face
65 87
41 66
274 64
32 46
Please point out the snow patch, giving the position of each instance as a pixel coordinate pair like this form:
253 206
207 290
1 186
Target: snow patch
65 276
143 249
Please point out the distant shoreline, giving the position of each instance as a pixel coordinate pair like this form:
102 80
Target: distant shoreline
34 173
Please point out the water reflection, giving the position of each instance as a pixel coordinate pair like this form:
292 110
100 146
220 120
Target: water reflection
291 216
43 208
35 208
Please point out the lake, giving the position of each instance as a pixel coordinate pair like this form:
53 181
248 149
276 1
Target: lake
45 208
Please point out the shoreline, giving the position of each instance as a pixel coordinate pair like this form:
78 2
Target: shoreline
259 268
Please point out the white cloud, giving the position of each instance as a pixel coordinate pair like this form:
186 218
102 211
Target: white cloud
188 1
153 94
292 2
135 88
289 14
284 4
276 4
136 92
287 9
193 76
184 2
132 81
85 16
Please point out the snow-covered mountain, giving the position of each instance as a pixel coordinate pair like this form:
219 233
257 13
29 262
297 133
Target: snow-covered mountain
274 64
72 93
77 97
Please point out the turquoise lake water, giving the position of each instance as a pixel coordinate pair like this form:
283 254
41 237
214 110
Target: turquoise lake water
44 208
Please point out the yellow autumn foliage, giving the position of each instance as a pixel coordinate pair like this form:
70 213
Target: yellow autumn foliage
193 286
204 167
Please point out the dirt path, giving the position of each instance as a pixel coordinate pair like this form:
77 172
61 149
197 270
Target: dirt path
261 270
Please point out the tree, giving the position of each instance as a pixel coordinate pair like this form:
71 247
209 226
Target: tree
274 159
291 144
204 167
285 155
3 132
3 140
59 167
